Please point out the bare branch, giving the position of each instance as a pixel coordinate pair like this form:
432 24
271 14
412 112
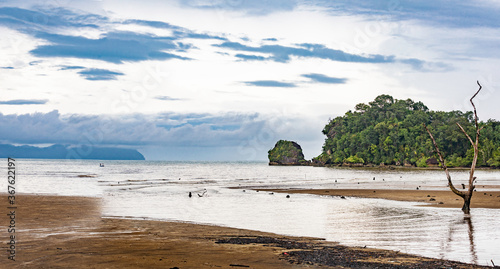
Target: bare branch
480 87
463 131
474 106
476 144
443 165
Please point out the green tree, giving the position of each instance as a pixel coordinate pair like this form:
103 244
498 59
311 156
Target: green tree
389 130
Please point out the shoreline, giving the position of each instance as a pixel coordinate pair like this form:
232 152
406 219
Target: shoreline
435 198
69 232
381 167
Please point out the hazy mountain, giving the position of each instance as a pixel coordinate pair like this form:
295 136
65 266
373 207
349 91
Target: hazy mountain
67 152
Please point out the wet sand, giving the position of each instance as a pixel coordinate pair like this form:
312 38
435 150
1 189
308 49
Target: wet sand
69 232
480 199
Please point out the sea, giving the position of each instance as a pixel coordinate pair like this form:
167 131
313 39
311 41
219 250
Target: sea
224 194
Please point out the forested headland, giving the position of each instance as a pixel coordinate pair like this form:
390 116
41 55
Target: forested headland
389 131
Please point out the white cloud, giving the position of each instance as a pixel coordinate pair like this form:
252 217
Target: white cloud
452 57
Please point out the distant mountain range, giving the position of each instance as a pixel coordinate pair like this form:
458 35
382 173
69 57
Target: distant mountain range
67 152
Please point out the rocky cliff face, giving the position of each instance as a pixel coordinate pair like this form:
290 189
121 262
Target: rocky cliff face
286 153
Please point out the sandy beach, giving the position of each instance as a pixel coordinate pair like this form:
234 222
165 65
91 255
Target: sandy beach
480 199
69 232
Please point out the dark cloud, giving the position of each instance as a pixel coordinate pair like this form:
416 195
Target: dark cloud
202 36
93 73
280 53
111 46
424 66
247 57
71 67
24 102
270 83
461 14
115 47
322 52
320 78
179 32
99 74
48 17
130 130
168 135
120 46
155 24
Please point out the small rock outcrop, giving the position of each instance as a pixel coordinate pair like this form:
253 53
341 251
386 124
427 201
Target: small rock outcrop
286 153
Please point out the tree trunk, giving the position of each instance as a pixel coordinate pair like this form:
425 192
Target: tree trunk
475 144
466 207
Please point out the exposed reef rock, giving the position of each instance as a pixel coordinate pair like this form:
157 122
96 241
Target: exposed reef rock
287 153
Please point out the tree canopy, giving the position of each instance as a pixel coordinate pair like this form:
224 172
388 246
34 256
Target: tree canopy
390 131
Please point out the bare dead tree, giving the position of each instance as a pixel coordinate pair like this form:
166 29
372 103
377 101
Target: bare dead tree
466 195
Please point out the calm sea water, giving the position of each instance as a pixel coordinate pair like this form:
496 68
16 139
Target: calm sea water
159 190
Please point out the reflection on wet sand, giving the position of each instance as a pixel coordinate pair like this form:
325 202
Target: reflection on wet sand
462 224
468 220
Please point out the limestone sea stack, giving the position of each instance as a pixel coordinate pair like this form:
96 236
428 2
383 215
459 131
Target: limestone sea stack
286 153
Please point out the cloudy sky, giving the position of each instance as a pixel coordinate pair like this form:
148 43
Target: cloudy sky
226 79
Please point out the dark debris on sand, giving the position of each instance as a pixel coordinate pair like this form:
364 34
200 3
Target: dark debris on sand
341 256
267 241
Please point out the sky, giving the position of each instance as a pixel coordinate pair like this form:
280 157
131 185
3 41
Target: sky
223 80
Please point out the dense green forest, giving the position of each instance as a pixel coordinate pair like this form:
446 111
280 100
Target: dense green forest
390 131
